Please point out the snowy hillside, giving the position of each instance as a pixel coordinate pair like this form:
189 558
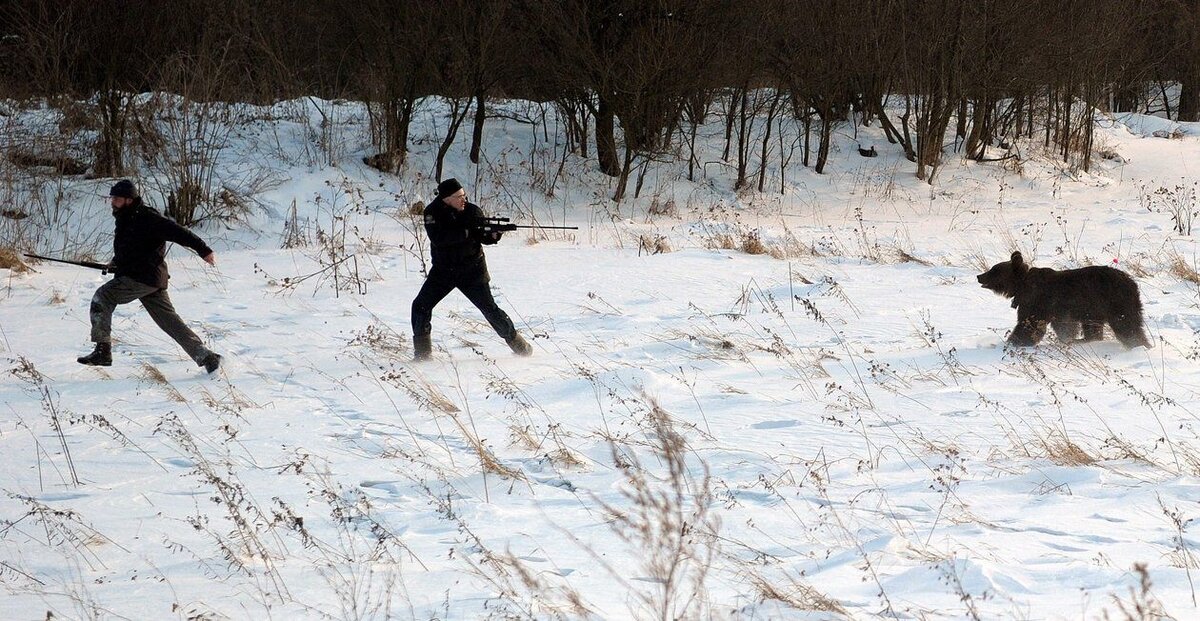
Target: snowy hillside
740 405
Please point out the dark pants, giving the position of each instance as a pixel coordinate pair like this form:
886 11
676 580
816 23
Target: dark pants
474 285
122 290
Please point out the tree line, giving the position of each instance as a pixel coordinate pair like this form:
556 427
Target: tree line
646 71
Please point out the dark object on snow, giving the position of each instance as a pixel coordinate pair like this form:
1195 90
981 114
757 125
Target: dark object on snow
520 346
211 362
103 267
123 189
868 152
1066 300
101 356
456 246
140 243
156 301
139 262
63 164
422 347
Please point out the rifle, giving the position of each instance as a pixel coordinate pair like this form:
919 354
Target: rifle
103 267
501 225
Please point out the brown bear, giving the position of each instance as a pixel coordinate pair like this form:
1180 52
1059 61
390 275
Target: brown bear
1066 300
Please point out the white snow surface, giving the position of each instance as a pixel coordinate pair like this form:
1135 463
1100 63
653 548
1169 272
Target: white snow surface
853 438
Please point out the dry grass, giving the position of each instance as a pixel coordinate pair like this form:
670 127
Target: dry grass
1184 271
653 244
797 594
752 243
664 208
151 374
10 260
1064 452
903 256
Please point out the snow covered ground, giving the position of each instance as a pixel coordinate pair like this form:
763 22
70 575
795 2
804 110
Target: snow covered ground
827 426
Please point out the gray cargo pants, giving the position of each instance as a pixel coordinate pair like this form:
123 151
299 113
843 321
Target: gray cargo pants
122 290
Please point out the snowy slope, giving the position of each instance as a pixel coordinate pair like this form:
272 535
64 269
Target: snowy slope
829 429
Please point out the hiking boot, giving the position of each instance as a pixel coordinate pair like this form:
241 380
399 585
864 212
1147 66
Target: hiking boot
211 362
422 347
520 346
100 357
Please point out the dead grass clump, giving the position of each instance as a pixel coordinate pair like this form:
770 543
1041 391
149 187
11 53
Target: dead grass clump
1183 271
151 374
752 243
903 256
1064 452
666 208
10 260
656 244
59 163
798 595
1135 268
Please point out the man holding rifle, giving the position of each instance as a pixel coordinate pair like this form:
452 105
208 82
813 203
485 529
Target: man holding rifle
139 263
456 240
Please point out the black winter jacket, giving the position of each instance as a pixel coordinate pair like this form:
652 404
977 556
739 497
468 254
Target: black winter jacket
140 243
455 244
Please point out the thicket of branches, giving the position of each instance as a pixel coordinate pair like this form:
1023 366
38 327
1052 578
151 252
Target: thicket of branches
632 77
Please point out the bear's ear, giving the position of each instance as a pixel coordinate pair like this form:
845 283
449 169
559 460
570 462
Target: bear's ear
1017 259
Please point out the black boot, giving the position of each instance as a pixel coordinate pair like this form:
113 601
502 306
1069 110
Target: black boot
520 346
422 347
100 357
211 362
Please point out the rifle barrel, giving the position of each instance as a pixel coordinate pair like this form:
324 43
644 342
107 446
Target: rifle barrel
91 264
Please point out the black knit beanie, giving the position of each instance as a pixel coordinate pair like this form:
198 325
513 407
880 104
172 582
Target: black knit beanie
448 187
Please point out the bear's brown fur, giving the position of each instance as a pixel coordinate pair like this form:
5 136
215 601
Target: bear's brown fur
1067 300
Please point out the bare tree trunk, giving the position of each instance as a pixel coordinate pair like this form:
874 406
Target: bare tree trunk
1189 97
910 151
762 170
110 148
456 119
807 136
979 136
477 130
623 176
745 123
606 142
737 96
960 128
826 133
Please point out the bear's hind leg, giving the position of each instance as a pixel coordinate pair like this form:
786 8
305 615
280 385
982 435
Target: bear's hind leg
1066 331
1130 332
1093 331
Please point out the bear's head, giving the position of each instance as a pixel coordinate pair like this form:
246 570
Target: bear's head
1005 278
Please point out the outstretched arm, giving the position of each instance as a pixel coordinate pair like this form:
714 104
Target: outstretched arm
173 232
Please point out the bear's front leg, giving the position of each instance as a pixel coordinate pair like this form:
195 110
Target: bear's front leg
1030 329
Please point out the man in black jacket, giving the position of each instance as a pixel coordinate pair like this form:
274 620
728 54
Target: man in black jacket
456 245
139 262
